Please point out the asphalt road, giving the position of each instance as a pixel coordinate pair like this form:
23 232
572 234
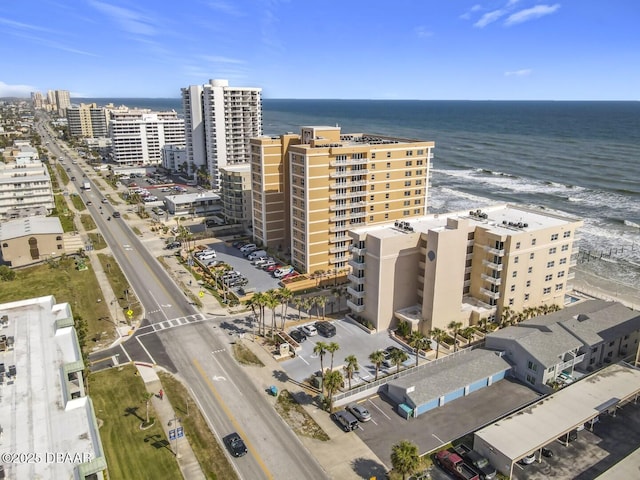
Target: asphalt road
200 354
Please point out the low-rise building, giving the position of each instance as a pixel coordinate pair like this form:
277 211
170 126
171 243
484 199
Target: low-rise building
174 158
31 239
201 204
44 407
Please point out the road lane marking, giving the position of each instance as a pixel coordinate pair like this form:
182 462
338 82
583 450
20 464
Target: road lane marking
213 355
231 418
145 349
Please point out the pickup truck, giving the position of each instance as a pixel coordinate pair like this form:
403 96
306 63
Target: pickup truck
453 463
477 461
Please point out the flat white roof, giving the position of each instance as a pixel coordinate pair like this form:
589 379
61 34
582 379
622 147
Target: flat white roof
36 413
192 197
498 220
535 426
36 225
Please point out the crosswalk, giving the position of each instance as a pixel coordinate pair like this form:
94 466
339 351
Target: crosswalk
178 322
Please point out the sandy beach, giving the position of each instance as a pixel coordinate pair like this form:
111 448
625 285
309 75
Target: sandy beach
598 287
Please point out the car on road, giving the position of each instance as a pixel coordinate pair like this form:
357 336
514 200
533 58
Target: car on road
309 330
116 214
89 203
235 444
73 179
298 335
359 411
346 420
104 200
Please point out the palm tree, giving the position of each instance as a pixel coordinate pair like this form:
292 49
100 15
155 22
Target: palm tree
332 382
259 299
455 327
284 295
338 293
307 305
398 357
468 334
299 303
320 349
332 348
251 302
418 342
506 316
272 302
438 335
377 358
350 367
321 301
404 458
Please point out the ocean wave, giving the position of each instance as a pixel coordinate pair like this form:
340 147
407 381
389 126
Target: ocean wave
630 223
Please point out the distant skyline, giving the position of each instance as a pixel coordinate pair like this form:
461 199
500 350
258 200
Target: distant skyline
353 49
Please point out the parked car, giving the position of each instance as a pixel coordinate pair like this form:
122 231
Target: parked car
529 459
248 250
203 253
546 452
206 256
282 271
273 267
477 461
359 411
290 275
309 330
212 262
259 262
257 254
248 246
235 444
269 263
387 356
326 329
298 335
172 245
346 421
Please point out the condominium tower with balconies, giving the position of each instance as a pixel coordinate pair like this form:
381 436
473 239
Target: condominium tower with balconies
310 189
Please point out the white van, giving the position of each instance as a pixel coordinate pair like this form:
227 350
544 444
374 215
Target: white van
256 255
282 271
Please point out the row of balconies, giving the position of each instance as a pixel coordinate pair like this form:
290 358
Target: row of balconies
349 216
492 265
349 161
341 196
346 206
348 173
357 183
493 280
358 251
355 293
355 279
490 294
355 307
343 248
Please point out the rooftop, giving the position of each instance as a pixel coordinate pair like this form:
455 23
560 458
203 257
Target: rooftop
192 197
42 406
36 225
534 427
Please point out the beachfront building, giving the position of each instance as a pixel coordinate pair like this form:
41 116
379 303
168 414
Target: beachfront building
310 189
138 135
219 121
236 194
31 239
88 121
44 405
465 266
24 184
201 204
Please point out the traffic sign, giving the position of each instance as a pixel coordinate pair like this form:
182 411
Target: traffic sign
130 312
172 434
201 294
180 432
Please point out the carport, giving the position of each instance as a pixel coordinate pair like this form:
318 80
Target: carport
528 430
442 381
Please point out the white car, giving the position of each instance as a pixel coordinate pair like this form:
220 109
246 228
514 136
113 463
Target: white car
248 247
203 253
309 330
206 257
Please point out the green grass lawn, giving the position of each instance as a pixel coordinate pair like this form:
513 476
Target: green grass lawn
119 284
87 222
79 288
64 214
78 202
118 399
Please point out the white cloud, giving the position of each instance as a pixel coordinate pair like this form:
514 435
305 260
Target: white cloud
226 7
219 59
531 14
423 32
489 17
525 72
467 15
21 91
128 20
24 26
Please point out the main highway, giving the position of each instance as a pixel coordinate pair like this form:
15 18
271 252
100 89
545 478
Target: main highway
193 345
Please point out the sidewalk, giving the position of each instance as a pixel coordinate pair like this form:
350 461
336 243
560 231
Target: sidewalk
185 457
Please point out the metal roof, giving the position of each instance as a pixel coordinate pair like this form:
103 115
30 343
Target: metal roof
36 225
539 424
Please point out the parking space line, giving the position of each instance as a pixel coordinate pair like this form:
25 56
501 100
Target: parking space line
380 410
437 438
302 358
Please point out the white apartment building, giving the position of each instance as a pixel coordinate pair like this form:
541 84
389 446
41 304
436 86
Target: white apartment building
24 183
174 158
463 266
219 121
236 198
138 135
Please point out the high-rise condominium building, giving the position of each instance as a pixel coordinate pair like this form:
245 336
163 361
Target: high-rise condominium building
460 267
310 189
236 199
87 120
63 101
36 100
219 121
138 136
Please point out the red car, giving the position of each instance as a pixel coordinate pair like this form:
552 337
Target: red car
273 267
290 275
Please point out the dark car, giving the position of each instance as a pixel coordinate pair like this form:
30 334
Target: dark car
116 214
546 452
172 245
326 329
298 335
235 445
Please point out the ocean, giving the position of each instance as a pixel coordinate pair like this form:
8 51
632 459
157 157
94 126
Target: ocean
579 158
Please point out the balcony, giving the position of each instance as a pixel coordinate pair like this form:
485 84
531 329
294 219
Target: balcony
490 294
358 251
340 163
357 183
339 228
348 216
492 280
355 308
339 238
494 266
344 248
358 265
355 293
354 279
494 251
571 275
341 196
348 173
337 260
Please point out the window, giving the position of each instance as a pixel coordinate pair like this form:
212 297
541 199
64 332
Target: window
388 175
546 291
409 153
371 197
511 301
592 361
533 241
566 234
386 195
562 261
408 163
514 274
531 379
532 366
418 172
373 177
418 182
526 297
554 237
528 284
513 288
561 274
419 192
373 155
417 211
407 203
515 260
405 213
373 187
371 218
371 208
559 287
407 183
386 216
530 270
407 173
564 248
387 185
552 250
548 278
532 256
386 206
420 152
407 193
58 237
388 163
517 245
551 264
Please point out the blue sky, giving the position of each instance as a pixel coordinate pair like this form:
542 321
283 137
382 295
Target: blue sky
373 49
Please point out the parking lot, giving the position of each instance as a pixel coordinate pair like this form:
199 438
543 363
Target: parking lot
612 439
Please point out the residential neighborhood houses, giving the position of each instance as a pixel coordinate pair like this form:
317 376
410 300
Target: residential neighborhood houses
432 313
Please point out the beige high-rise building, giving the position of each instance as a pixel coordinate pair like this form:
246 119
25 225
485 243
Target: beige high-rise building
462 267
63 101
87 120
37 100
310 189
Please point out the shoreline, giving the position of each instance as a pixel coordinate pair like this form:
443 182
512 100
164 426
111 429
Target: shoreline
595 286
